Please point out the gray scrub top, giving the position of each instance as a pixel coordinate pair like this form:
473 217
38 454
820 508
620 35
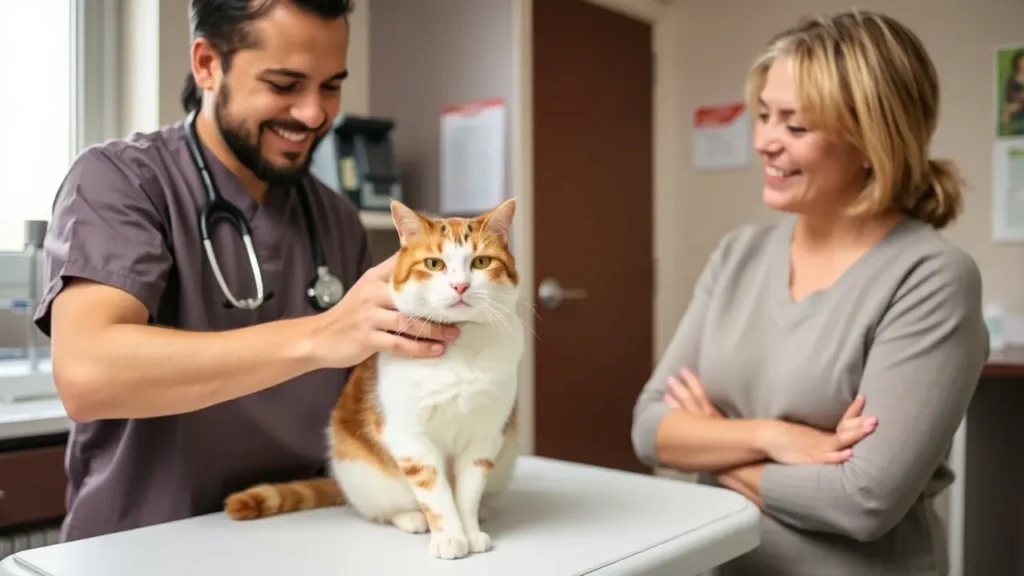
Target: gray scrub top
127 216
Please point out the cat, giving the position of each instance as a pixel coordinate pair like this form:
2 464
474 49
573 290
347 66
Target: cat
427 444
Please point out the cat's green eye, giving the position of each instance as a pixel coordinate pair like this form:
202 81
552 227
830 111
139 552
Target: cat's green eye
481 262
434 264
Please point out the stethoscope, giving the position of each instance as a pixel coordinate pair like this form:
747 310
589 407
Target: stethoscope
323 291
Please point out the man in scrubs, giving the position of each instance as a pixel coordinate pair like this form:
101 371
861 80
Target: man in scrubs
179 400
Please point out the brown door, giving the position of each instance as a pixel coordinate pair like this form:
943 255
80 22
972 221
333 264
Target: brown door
593 185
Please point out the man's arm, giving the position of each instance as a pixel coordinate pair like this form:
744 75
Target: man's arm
675 438
107 262
919 378
108 363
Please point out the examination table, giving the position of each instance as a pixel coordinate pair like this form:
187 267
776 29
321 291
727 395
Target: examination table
559 519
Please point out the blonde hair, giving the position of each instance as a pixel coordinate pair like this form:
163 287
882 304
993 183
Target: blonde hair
864 78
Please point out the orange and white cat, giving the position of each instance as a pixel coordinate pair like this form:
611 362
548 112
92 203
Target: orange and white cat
427 443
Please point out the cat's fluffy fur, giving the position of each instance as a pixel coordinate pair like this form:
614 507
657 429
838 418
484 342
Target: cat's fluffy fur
425 444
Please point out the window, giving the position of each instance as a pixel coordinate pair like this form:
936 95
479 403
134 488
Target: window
51 116
37 125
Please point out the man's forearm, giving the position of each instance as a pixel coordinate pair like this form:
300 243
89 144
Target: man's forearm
139 371
691 443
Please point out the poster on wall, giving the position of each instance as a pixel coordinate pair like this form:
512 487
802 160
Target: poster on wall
1010 91
1008 190
721 137
1008 148
472 156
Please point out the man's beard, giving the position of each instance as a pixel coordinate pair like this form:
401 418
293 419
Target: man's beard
246 146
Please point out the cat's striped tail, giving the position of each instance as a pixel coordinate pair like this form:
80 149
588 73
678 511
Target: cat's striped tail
270 499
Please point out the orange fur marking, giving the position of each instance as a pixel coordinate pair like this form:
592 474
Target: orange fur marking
270 499
357 423
433 518
512 422
484 463
422 475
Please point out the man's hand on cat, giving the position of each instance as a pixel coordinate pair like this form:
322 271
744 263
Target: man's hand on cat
365 321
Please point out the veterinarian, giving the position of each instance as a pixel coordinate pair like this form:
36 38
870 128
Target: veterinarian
181 388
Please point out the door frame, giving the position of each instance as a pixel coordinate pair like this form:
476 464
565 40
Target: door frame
665 171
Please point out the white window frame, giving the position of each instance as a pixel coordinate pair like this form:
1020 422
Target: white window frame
96 34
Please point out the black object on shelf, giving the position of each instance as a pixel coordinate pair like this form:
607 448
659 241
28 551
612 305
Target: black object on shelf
367 169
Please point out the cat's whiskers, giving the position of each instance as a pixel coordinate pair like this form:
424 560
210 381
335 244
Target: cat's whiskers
508 314
495 318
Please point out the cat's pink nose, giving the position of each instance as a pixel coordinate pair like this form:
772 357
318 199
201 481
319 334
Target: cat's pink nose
460 287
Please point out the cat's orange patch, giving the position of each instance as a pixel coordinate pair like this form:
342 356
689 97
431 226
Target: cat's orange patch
484 463
434 520
512 422
423 476
270 499
357 423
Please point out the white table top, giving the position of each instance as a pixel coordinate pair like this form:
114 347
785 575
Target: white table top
558 519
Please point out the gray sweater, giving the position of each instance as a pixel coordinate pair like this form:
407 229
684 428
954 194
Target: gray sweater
903 326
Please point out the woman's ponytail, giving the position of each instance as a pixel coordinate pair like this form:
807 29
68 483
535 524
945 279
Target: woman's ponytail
941 201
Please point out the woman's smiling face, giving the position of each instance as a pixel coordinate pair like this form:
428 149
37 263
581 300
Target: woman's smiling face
804 171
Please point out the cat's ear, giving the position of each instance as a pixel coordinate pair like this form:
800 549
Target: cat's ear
499 220
407 222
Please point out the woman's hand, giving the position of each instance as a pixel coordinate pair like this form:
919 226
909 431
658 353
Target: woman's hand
790 443
686 392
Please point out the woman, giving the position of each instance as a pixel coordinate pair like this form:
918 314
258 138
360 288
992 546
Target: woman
825 362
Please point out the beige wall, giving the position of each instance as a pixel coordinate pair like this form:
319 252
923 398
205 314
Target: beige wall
426 55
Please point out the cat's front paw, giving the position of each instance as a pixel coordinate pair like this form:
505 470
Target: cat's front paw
448 545
479 542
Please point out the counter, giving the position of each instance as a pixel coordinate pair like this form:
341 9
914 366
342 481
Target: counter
558 519
29 418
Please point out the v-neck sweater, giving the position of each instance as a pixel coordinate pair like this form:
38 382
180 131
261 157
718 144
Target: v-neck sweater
903 326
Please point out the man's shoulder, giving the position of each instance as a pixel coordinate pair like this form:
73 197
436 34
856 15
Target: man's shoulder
138 157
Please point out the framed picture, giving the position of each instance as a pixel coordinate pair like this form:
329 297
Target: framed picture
1010 91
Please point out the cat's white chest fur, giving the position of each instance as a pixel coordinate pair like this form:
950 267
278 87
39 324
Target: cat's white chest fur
450 398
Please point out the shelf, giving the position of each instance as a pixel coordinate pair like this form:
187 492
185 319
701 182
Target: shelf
374 220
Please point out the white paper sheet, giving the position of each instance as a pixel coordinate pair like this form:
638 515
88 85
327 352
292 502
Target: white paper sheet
1008 190
472 157
721 137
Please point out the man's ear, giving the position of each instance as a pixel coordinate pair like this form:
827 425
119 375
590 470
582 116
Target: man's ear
206 64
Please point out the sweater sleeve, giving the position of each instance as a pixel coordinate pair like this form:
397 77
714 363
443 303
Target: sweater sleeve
682 350
921 370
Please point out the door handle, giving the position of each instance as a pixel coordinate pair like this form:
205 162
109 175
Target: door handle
550 293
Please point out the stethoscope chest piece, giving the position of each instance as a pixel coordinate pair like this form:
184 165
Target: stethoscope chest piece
325 290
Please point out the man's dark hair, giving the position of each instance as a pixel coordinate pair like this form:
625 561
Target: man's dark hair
227 25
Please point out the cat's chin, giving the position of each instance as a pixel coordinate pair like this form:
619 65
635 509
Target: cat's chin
450 315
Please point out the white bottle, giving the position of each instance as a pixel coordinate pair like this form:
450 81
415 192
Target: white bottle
994 315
